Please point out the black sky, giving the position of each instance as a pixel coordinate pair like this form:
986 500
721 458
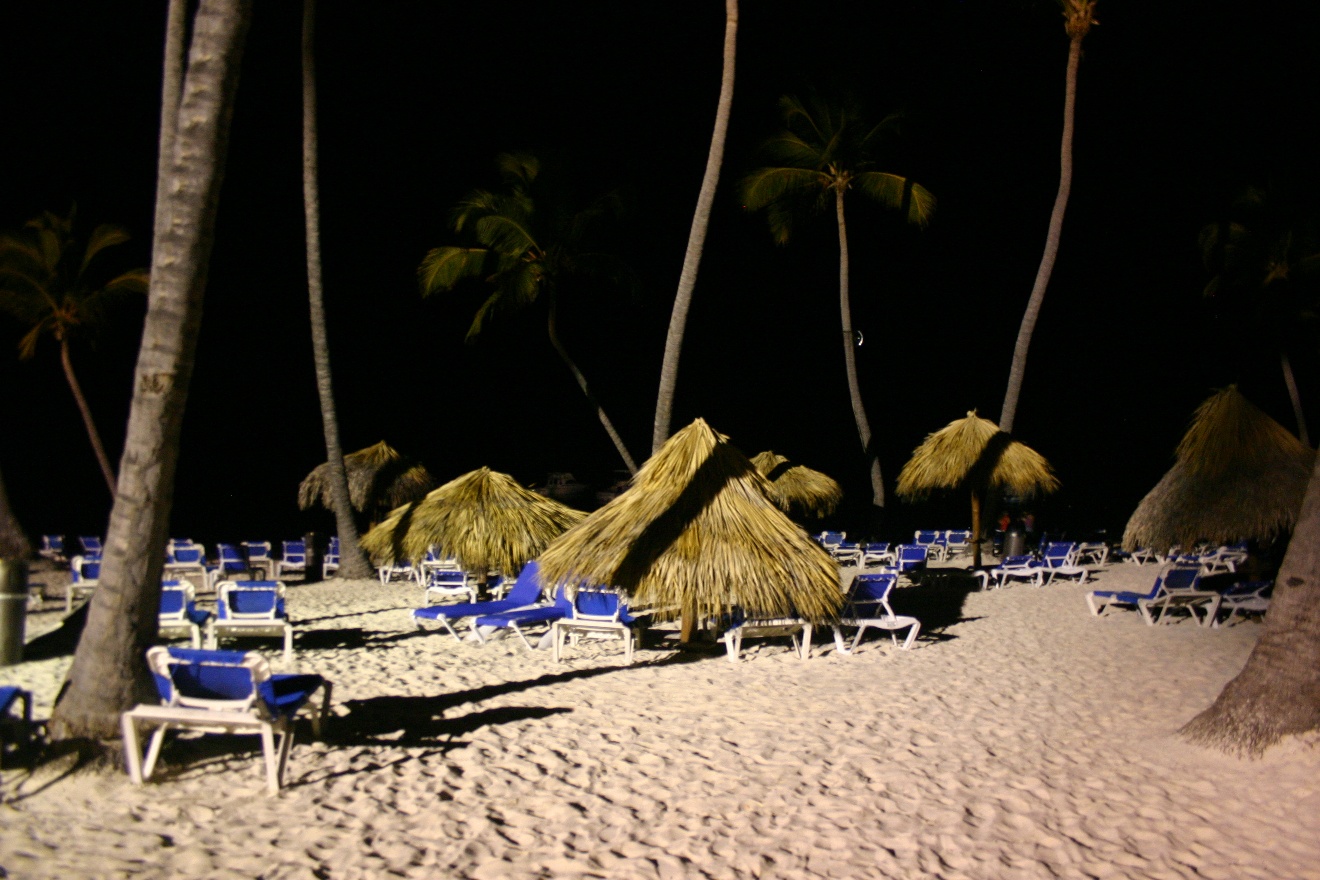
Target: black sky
1179 105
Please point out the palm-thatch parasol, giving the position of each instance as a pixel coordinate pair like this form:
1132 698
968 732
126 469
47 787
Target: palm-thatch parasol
695 533
1239 475
972 453
484 519
798 489
378 478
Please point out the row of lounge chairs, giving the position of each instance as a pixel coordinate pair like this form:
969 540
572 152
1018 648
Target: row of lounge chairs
1180 587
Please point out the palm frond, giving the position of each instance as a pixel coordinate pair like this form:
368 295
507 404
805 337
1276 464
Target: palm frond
765 186
444 267
696 532
519 170
484 519
897 192
104 236
789 150
506 234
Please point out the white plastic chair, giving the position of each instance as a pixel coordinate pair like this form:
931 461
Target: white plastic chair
252 608
867 606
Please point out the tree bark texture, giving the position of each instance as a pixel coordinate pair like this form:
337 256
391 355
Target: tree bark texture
687 279
13 541
94 435
1295 396
850 358
552 328
352 564
1277 693
108 674
1018 369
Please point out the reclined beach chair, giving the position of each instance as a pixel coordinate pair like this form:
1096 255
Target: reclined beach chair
518 618
877 554
909 558
830 539
1177 580
867 606
330 562
1060 560
293 558
222 692
846 553
179 612
252 608
91 546
84 574
1248 597
1025 567
52 548
230 562
525 592
1096 552
932 540
260 564
446 583
1144 555
957 542
597 614
15 730
742 626
396 570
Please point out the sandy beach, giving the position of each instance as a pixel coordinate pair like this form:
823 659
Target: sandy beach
1025 740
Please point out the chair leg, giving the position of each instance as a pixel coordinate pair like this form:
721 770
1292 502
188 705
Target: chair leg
274 763
153 750
805 653
322 713
839 646
733 643
912 635
559 636
288 643
132 749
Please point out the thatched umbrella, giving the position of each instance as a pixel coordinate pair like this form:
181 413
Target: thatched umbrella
1239 475
378 478
695 533
972 453
484 519
798 489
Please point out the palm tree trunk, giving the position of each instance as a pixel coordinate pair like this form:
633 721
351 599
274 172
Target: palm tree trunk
352 564
552 327
1277 693
687 279
1291 381
850 358
95 436
108 674
976 529
1019 366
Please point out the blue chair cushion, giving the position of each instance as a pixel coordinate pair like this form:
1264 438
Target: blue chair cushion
9 694
286 694
545 614
601 604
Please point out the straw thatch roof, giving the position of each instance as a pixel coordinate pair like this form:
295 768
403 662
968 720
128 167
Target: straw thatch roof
696 532
1239 475
484 519
377 477
798 489
973 453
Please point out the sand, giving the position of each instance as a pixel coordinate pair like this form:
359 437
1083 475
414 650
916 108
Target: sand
1028 740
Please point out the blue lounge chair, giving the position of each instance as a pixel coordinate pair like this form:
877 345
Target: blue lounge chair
877 554
957 541
1060 559
1025 567
1175 585
84 575
252 608
230 562
15 730
518 618
446 583
525 591
1248 597
258 558
867 606
52 548
227 692
846 553
91 546
598 614
932 540
741 626
293 558
179 612
330 564
909 558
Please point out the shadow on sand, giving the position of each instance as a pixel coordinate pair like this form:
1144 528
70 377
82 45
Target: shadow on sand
937 601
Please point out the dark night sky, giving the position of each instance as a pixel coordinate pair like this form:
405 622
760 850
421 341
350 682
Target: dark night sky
1178 107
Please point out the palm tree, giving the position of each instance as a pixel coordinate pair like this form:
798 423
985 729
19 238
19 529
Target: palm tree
824 152
1079 16
352 563
1265 261
522 259
55 289
687 279
1277 693
108 674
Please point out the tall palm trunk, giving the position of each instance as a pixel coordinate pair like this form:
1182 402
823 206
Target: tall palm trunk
108 673
687 279
14 545
552 328
1277 693
352 564
1076 32
94 435
850 358
1291 381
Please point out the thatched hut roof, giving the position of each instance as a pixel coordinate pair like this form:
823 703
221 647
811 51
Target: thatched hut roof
1239 475
697 531
484 519
973 452
798 489
378 477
